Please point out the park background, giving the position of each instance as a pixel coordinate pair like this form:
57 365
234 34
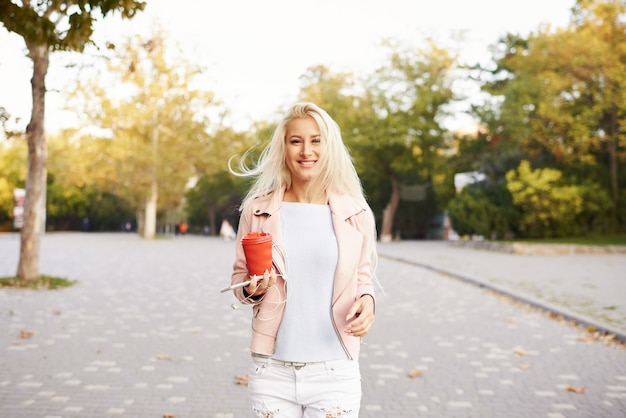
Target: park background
141 125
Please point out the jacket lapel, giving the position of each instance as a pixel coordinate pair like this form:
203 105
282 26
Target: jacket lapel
349 241
266 213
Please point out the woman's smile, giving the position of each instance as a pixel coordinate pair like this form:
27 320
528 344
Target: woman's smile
303 144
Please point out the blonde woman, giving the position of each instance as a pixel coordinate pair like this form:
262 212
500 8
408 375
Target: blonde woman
317 302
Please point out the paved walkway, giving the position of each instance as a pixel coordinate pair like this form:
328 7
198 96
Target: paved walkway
588 287
147 333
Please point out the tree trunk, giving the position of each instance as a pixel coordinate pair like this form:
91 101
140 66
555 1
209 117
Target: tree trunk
212 220
140 221
613 162
151 211
34 203
151 201
389 213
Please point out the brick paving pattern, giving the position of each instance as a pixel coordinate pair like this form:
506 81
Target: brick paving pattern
146 333
588 286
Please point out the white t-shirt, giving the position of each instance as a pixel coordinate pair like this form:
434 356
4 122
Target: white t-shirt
306 332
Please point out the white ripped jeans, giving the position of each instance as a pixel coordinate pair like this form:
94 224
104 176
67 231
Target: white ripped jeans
325 389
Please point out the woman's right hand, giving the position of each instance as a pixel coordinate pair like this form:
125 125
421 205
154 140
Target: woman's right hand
259 285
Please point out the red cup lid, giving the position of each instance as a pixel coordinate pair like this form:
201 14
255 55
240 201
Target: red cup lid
256 237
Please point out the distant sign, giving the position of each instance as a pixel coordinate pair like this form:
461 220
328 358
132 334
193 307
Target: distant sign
413 193
18 210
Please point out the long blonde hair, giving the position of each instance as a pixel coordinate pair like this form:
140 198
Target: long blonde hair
338 172
270 170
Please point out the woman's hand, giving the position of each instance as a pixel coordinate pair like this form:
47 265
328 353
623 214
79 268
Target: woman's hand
361 316
260 284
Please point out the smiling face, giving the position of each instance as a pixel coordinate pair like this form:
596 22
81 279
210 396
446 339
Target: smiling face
303 148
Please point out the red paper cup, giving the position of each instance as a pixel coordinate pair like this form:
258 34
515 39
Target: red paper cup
257 246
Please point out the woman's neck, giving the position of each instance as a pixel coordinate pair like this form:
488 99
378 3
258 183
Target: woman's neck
305 195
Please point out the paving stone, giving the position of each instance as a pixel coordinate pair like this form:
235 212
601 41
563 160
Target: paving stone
146 332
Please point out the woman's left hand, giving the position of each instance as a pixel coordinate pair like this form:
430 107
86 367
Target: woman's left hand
360 316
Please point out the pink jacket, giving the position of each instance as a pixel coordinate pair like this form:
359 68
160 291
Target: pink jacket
353 222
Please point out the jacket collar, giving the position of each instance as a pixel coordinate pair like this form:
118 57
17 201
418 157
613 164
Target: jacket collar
268 204
342 205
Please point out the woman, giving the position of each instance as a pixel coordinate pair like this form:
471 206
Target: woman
317 302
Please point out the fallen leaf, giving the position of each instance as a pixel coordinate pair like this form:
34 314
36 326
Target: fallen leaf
587 339
241 380
524 366
415 373
575 390
555 315
520 352
26 334
163 357
169 416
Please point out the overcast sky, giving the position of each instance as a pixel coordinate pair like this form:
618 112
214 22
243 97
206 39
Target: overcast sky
255 51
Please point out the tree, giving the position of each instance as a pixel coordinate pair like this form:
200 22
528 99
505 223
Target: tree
563 98
337 94
340 96
75 192
47 26
405 140
154 127
214 198
217 193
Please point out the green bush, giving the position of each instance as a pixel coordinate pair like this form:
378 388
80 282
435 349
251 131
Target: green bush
548 207
479 211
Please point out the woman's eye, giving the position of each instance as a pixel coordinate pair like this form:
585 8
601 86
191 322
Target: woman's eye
317 140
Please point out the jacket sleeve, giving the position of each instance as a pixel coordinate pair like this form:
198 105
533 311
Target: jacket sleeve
367 263
240 270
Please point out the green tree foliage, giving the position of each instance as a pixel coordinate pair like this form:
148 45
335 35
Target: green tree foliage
483 209
391 123
404 140
214 198
217 193
46 26
67 177
75 191
471 212
65 25
548 207
339 95
12 176
594 217
563 100
154 126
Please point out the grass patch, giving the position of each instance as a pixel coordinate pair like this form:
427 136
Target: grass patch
43 283
599 240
